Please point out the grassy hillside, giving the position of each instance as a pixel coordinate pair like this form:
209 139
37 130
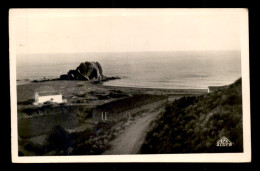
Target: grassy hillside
195 124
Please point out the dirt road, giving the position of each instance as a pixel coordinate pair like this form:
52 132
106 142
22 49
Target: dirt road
130 141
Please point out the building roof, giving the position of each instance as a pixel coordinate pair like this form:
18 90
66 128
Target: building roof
49 93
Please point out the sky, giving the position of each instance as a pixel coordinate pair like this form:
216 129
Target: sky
49 31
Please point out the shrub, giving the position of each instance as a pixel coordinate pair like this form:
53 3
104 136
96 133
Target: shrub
194 124
58 138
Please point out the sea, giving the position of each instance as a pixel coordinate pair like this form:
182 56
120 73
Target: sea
166 70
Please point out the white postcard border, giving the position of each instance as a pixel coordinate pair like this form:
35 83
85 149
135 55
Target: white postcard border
157 158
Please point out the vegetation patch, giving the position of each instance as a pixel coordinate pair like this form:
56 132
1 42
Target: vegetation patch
195 124
88 142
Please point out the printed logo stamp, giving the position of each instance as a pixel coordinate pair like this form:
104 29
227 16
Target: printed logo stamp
224 142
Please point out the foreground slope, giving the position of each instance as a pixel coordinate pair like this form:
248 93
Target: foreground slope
195 124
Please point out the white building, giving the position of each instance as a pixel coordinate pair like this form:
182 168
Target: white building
48 96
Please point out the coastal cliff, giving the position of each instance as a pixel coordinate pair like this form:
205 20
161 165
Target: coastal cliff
196 124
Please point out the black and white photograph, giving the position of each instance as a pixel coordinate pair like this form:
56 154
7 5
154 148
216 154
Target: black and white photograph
129 85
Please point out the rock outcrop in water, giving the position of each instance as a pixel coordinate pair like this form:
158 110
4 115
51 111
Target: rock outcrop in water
87 71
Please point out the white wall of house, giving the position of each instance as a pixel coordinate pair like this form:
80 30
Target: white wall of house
53 98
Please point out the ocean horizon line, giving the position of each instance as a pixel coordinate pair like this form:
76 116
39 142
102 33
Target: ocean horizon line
116 52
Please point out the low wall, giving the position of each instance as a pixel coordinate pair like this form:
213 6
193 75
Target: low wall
104 115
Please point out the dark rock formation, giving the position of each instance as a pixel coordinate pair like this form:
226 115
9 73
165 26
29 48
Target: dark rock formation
90 71
64 77
106 79
87 71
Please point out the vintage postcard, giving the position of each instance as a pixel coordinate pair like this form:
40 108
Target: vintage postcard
129 85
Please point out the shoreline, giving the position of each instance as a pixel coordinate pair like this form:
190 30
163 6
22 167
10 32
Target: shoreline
161 89
119 87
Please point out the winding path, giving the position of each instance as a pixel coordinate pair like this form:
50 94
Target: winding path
131 140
